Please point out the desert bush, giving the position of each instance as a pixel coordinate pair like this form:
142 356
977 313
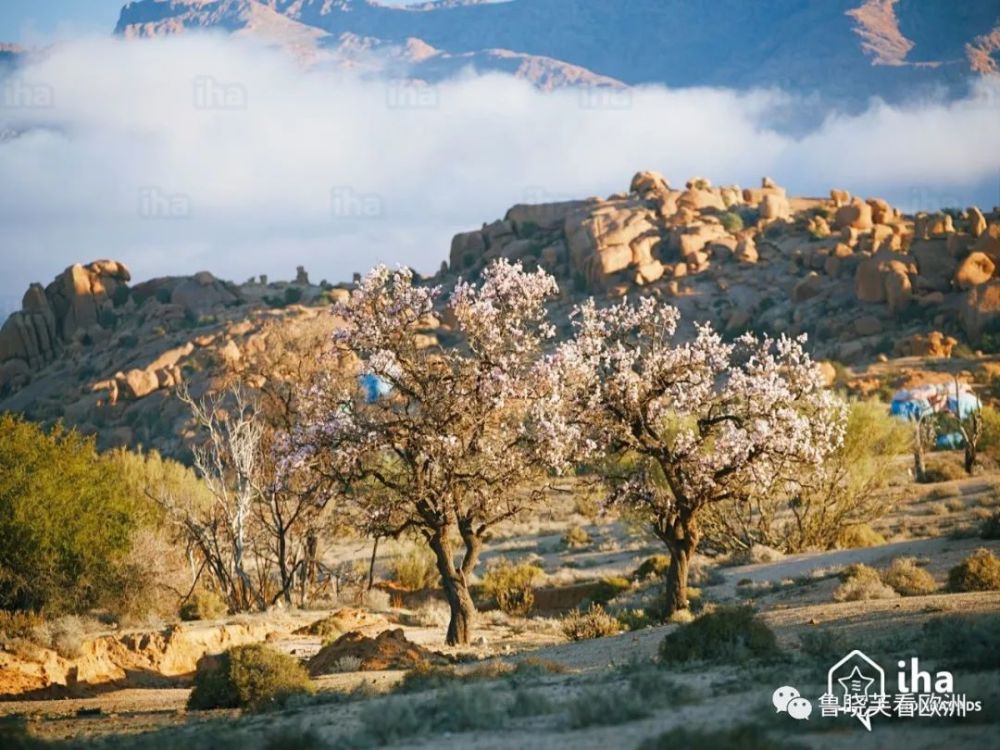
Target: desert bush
980 571
414 568
575 537
727 634
377 600
512 585
431 614
756 554
453 708
860 571
968 641
348 663
634 619
860 583
944 471
594 623
63 555
908 579
432 677
603 707
989 441
66 635
253 677
608 588
731 221
654 566
18 624
859 535
203 605
822 643
990 527
955 505
835 503
745 737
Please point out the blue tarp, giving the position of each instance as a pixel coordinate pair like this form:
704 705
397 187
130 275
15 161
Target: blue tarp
924 400
374 387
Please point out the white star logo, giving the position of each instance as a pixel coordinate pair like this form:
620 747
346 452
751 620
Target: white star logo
856 683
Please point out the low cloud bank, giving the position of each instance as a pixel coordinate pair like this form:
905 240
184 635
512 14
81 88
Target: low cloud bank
204 152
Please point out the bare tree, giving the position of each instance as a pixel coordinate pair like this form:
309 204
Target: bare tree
228 459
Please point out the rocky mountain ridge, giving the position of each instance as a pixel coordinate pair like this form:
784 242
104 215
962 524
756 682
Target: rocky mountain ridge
846 51
861 279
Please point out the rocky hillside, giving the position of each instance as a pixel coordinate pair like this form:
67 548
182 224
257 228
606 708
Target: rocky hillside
845 50
861 279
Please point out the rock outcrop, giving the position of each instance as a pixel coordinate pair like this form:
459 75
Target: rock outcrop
79 303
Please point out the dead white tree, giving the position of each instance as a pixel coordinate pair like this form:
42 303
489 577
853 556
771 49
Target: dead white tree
228 458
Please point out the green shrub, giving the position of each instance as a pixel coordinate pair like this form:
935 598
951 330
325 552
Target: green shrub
575 537
66 521
594 623
859 535
990 528
731 221
655 566
512 586
635 619
203 605
415 568
989 441
608 588
253 677
907 578
980 571
727 634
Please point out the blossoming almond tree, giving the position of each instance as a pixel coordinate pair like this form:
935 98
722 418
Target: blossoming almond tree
453 446
695 422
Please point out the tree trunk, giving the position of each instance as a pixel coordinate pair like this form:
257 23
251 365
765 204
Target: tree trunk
456 588
919 465
371 565
681 538
970 457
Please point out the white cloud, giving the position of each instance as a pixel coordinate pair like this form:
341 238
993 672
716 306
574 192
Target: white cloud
138 157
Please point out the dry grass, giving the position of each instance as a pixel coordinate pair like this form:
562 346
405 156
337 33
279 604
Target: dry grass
980 571
594 623
859 535
861 583
908 579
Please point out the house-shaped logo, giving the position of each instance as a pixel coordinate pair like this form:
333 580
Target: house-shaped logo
856 681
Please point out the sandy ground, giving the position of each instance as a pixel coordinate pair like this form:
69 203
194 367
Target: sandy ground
793 594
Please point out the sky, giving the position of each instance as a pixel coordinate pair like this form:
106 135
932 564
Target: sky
40 22
190 153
